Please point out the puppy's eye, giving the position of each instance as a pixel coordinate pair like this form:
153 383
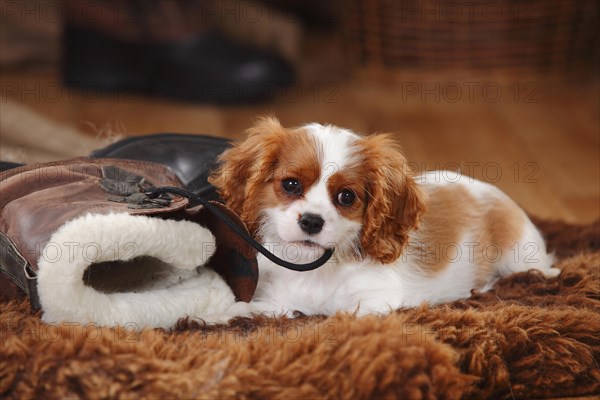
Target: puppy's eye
291 186
346 197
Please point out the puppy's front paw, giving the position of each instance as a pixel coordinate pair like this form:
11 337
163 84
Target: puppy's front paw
370 307
238 309
552 272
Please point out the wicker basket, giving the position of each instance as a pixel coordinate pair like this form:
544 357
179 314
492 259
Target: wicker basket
536 36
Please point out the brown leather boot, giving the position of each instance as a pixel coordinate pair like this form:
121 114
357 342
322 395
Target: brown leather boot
86 243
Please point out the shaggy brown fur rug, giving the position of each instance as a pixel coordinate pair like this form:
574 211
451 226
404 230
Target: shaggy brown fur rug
528 337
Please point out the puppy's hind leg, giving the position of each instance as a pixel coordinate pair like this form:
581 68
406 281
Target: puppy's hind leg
528 253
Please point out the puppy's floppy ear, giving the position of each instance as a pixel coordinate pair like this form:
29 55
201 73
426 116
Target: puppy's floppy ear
395 201
246 167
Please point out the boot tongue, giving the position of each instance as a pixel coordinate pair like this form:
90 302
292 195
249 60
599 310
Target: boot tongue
119 181
126 187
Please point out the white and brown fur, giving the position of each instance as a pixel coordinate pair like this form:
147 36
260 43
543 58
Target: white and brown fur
405 240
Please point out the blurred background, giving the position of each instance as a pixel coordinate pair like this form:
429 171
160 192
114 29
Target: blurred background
505 91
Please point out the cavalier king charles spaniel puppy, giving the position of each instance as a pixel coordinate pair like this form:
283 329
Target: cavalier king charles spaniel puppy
399 240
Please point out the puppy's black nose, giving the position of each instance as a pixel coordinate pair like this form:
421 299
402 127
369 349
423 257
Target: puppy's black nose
311 223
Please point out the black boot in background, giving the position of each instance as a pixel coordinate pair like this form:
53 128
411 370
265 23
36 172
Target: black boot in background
208 67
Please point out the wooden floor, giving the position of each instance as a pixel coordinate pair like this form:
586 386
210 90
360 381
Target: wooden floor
536 139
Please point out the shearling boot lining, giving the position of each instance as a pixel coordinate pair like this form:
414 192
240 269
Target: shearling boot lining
129 270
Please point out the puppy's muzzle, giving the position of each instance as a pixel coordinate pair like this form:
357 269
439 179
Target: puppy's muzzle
311 223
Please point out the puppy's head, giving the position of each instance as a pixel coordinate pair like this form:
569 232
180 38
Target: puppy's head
321 186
